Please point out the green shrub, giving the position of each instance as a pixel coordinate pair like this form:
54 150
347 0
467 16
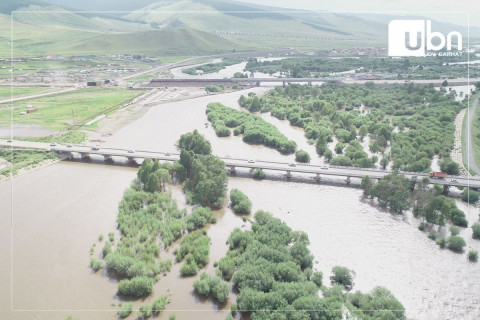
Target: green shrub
226 265
470 196
125 309
473 256
213 285
421 226
107 248
189 268
432 235
442 242
199 218
233 309
258 174
476 231
136 287
111 236
173 316
341 161
100 238
339 147
458 217
317 278
240 202
194 248
95 264
160 303
145 312
454 230
302 156
456 243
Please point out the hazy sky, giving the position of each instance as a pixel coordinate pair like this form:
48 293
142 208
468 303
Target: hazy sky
454 11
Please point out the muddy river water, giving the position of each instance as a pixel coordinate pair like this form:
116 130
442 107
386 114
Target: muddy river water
51 216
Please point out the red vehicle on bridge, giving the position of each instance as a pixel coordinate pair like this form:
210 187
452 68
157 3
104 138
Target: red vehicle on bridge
437 175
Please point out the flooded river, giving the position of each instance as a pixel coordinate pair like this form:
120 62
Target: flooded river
59 211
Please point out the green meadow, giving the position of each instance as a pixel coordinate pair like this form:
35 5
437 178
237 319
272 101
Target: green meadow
56 112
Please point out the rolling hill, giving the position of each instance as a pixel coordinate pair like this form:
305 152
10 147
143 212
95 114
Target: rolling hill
182 27
170 42
41 29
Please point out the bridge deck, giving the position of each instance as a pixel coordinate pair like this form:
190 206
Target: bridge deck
239 163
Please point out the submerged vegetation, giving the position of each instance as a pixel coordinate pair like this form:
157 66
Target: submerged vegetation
240 202
204 174
411 67
405 123
399 193
252 128
271 267
194 249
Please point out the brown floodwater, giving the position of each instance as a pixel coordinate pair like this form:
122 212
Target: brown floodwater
59 211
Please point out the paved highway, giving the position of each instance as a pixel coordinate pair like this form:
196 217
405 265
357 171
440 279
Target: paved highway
468 133
350 172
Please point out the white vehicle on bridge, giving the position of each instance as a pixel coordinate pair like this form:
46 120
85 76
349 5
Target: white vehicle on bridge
96 148
251 161
131 151
292 165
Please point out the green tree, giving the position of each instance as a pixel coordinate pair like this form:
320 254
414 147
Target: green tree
195 142
342 276
153 183
302 156
470 196
476 231
449 166
456 243
240 202
366 185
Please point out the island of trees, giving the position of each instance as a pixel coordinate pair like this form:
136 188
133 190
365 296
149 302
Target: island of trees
270 266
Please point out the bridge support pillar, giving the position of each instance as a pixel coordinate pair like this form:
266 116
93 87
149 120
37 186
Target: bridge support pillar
318 178
107 157
68 155
84 155
284 84
257 84
446 188
348 180
289 175
309 83
232 170
131 159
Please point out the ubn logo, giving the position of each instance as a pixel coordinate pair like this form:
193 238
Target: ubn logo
419 42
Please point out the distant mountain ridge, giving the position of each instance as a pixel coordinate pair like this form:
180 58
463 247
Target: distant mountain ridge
209 26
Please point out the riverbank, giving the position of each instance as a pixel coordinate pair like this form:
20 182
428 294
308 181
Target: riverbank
18 162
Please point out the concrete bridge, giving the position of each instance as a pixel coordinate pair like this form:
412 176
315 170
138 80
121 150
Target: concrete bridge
317 171
193 82
231 82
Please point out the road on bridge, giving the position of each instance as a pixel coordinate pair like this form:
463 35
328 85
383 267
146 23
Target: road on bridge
232 163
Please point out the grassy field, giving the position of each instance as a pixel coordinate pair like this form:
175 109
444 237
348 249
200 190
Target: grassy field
21 92
57 112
